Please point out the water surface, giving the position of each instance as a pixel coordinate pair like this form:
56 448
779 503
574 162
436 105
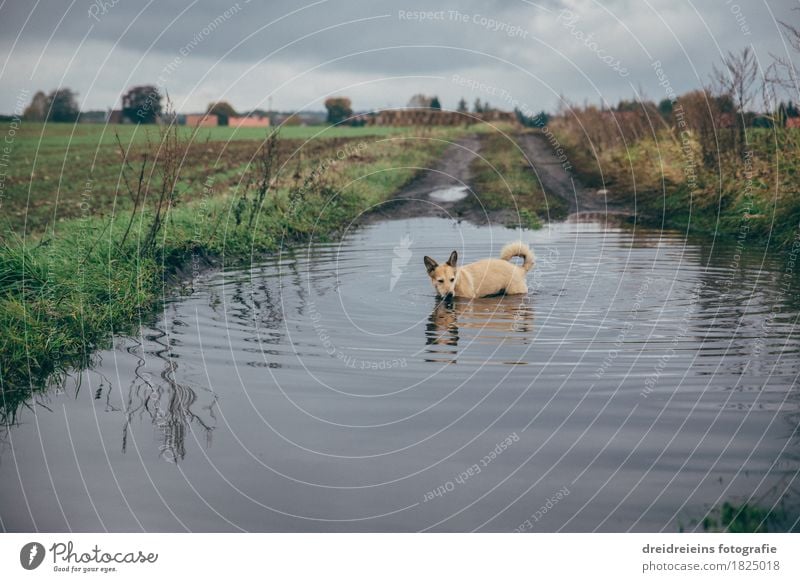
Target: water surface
643 380
453 194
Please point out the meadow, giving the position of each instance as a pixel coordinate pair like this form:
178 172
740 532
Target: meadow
51 164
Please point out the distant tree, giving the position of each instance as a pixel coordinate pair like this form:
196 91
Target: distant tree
784 112
37 110
524 119
625 105
665 107
462 106
62 106
541 119
339 109
420 101
435 103
478 106
762 121
142 104
725 104
223 110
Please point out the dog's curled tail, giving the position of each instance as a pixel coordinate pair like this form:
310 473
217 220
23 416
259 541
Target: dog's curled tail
518 249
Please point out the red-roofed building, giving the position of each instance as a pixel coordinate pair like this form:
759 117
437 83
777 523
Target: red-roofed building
202 120
248 121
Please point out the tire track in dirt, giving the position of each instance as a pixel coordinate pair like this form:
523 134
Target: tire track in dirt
452 170
557 181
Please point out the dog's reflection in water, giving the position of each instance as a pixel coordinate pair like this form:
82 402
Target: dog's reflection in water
492 320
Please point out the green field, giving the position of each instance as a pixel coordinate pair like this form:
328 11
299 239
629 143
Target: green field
50 165
33 136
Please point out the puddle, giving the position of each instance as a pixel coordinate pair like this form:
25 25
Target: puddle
326 390
453 194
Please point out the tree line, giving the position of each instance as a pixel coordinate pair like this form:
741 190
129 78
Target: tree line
737 96
340 109
141 104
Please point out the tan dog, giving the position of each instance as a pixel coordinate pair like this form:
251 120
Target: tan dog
482 278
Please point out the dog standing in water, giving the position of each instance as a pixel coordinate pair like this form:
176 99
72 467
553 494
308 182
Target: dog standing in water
482 278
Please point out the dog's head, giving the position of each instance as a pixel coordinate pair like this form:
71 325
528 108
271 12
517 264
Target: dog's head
443 277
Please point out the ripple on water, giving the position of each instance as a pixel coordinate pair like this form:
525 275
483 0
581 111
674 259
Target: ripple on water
327 389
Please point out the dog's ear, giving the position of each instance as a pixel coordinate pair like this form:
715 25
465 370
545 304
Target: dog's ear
453 259
430 264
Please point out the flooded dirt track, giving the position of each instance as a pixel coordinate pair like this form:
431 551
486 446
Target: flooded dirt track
444 191
642 381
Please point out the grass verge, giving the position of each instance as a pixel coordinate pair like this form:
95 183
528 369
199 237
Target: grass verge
755 199
504 179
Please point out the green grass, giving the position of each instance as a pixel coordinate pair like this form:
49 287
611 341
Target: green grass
50 165
505 179
64 292
59 136
725 200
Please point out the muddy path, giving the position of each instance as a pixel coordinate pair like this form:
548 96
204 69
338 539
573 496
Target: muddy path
442 191
558 181
445 191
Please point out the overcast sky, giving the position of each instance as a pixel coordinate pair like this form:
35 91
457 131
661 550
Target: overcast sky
376 52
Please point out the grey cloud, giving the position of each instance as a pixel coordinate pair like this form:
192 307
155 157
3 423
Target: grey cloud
502 43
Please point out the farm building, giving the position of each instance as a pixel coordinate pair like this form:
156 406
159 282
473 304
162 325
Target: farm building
207 120
201 120
248 121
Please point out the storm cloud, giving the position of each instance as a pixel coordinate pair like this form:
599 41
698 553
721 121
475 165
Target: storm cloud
511 53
